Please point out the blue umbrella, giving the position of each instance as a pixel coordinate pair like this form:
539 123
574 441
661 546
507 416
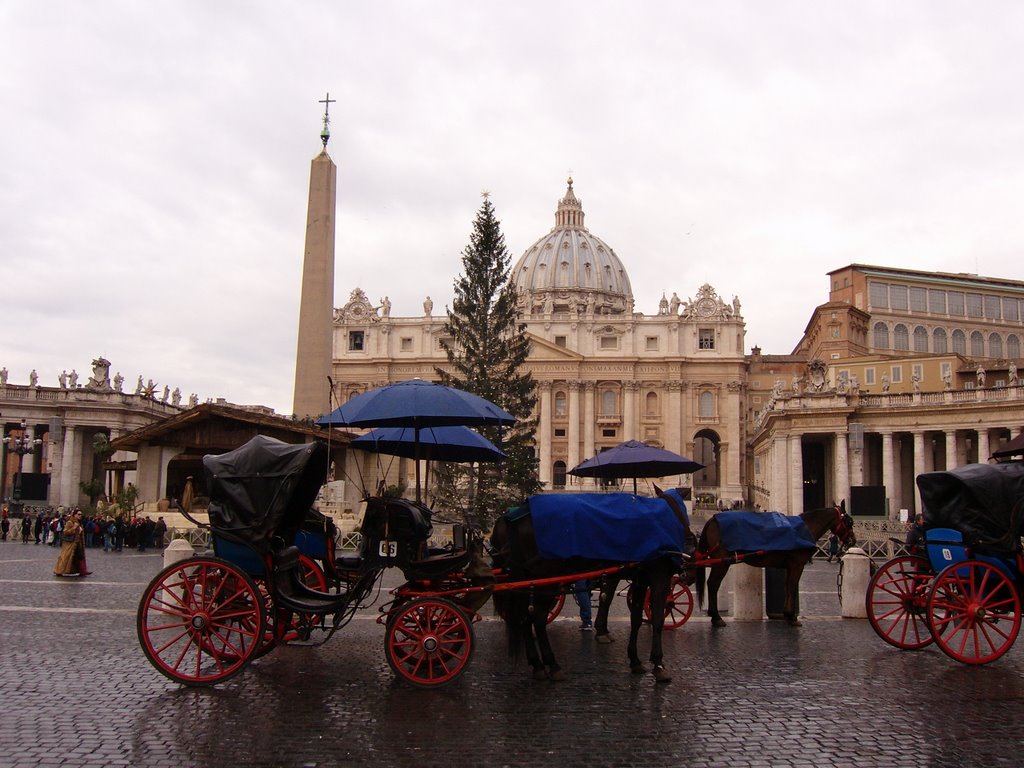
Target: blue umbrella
436 443
635 459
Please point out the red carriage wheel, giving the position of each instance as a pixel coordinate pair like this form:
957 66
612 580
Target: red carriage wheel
974 612
429 642
201 621
678 606
897 602
557 607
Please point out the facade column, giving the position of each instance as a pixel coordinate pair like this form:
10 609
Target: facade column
544 433
780 464
573 435
674 417
589 388
71 467
983 447
842 469
796 475
630 389
918 469
888 468
950 449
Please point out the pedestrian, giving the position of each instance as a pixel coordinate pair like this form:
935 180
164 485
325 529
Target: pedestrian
71 561
833 547
47 520
26 528
915 536
37 527
5 526
109 535
582 591
159 531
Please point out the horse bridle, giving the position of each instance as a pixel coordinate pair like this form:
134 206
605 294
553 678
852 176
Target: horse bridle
843 529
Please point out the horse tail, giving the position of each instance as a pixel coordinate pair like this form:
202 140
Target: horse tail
699 583
512 609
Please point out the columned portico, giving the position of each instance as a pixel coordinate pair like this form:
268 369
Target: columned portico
888 469
796 475
842 468
919 467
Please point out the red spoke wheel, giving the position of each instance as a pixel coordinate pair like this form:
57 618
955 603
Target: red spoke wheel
201 621
678 605
897 602
429 642
557 607
974 612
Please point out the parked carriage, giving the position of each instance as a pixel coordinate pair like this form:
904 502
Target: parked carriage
962 589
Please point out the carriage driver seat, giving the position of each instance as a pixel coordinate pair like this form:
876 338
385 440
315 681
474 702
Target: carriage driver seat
290 591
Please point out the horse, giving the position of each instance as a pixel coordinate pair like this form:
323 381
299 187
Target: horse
514 548
818 522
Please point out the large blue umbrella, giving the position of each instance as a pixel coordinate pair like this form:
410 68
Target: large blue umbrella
416 404
436 443
635 459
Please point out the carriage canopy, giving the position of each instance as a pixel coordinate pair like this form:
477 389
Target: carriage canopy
264 487
982 501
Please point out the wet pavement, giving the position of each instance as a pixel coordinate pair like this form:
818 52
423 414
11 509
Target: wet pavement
77 691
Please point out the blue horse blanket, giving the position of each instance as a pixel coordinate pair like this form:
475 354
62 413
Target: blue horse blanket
619 527
743 531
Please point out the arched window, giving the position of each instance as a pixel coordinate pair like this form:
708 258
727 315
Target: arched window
1012 346
881 336
995 345
920 339
560 409
608 403
651 404
706 405
959 342
558 474
901 338
939 341
977 344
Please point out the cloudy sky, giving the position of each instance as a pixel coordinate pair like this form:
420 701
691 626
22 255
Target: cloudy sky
156 160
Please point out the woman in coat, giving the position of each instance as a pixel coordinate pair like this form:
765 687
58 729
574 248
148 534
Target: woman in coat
71 561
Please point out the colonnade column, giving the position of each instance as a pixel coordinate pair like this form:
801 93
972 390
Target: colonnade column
918 468
573 435
589 388
842 470
983 446
796 475
780 464
71 467
544 433
630 388
888 467
950 449
674 417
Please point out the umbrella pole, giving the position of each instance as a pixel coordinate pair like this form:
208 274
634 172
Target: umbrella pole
416 452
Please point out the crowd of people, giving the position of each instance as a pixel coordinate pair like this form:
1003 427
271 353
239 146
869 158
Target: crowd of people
62 528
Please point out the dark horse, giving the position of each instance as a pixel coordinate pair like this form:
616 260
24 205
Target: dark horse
514 548
818 521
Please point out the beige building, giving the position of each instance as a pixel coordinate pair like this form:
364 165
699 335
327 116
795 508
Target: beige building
605 371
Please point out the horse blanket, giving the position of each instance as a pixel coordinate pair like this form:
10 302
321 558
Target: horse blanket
619 527
744 531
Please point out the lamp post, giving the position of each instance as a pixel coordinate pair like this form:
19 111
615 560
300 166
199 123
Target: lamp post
20 445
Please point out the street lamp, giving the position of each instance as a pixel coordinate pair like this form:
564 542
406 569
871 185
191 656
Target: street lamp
20 445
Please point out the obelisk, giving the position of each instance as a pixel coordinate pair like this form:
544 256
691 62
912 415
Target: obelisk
314 353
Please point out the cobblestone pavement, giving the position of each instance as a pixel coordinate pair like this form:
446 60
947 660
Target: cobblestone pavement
77 691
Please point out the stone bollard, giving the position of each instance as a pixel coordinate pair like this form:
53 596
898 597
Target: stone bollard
176 551
854 575
748 593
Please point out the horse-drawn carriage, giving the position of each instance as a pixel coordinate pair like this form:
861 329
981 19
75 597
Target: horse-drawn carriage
962 589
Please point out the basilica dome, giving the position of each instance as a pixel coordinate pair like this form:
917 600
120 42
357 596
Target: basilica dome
571 270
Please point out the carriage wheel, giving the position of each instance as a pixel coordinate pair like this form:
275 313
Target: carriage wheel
201 621
974 612
313 577
678 606
557 607
897 602
429 642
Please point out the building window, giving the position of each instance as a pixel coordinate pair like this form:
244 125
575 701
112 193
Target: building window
920 339
918 299
939 341
977 344
560 432
407 343
898 296
881 336
355 341
651 404
608 403
959 342
901 338
974 306
1012 346
995 345
1011 310
993 308
869 376
947 370
651 343
560 341
706 405
878 295
706 338
558 474
937 302
897 374
560 409
443 342
956 303
607 433
609 342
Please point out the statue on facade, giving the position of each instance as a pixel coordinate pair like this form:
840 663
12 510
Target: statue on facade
673 305
176 397
166 395
854 383
796 384
1012 374
428 306
947 380
590 303
777 389
118 382
885 382
549 305
915 381
63 379
139 386
73 379
193 400
385 307
736 306
100 379
3 376
980 373
33 378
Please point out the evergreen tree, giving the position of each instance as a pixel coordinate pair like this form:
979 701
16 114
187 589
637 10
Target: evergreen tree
486 355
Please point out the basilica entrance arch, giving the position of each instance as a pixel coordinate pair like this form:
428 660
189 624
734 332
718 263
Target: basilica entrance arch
706 444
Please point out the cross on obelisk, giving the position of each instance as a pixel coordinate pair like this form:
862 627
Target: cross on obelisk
325 134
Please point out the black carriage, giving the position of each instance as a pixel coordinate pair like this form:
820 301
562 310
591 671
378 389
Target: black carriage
961 588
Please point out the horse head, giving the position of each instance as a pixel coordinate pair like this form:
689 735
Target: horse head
842 526
677 505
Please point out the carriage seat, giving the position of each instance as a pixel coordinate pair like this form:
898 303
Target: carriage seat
441 563
293 594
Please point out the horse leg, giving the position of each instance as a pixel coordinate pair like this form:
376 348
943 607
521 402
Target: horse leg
609 584
548 666
660 585
715 579
637 592
793 573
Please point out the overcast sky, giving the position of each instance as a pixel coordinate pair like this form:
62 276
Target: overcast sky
156 160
